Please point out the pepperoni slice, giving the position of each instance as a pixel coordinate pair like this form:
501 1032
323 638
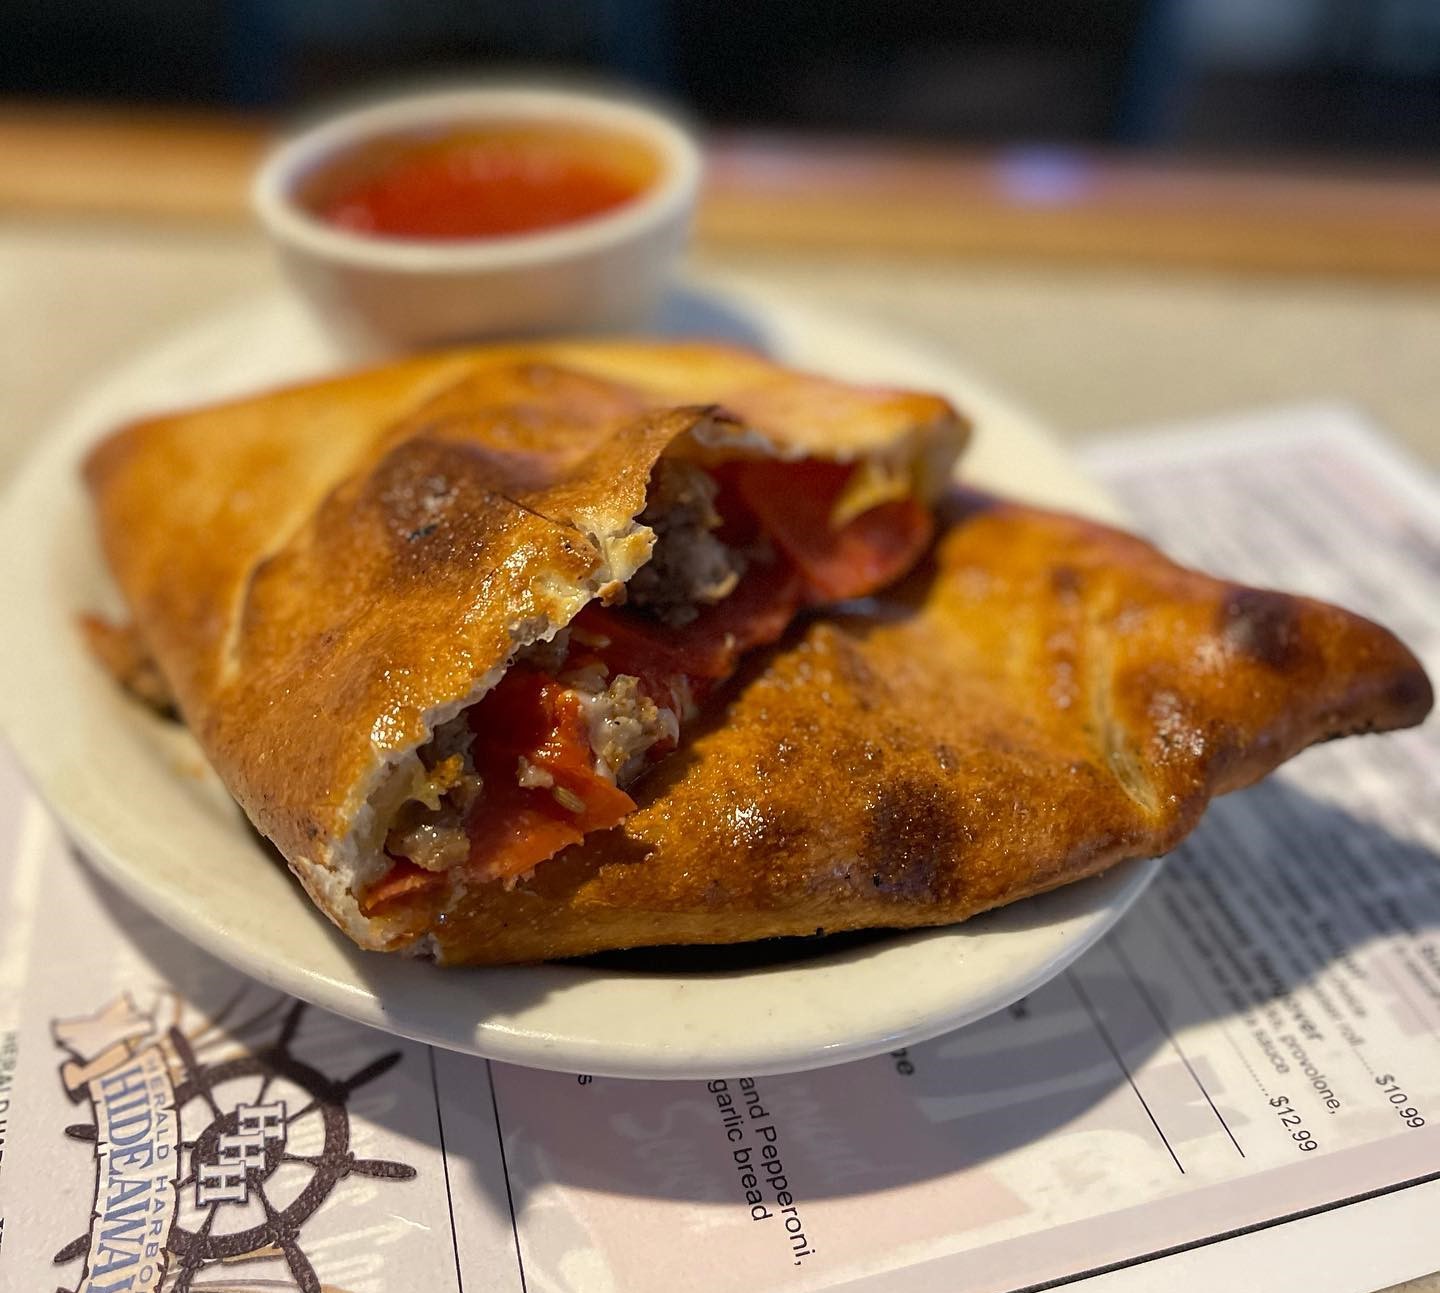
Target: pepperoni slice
793 502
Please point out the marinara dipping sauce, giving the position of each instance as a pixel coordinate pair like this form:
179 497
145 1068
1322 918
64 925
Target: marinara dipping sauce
485 181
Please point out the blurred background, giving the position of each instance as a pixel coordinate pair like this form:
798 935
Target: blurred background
1118 211
1303 78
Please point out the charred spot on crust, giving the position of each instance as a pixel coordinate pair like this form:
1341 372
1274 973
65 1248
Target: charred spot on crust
422 486
413 488
1066 583
851 667
1411 694
1262 625
441 504
764 831
910 840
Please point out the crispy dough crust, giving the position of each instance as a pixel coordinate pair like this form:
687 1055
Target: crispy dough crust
326 572
1050 698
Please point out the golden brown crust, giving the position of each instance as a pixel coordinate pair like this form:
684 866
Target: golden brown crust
324 572
1051 698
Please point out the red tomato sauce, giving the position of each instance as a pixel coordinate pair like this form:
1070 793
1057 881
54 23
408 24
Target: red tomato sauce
480 183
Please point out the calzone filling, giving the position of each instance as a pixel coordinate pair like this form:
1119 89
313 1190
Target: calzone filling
549 754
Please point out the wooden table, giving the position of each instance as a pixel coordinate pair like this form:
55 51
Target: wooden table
1100 293
767 191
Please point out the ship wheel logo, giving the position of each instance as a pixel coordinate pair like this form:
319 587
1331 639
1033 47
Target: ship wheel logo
257 1141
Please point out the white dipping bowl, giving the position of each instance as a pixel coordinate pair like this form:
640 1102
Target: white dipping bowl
381 293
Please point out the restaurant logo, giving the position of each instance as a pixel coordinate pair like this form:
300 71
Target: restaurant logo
213 1142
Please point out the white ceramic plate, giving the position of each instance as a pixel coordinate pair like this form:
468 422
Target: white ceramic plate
137 796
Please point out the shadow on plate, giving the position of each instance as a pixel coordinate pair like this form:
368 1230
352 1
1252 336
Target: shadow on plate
1056 1066
734 958
687 313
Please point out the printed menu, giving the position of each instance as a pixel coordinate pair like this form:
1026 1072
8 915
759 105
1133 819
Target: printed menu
1240 1087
